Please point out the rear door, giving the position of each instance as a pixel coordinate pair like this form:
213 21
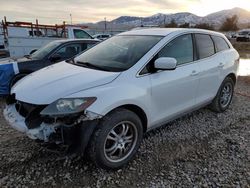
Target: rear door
209 63
225 56
174 91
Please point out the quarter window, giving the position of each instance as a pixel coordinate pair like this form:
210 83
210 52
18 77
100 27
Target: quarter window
205 45
220 43
180 48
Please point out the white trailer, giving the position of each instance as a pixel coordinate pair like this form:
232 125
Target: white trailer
18 39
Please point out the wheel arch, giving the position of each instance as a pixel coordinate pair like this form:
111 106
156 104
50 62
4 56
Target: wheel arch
16 78
138 111
232 76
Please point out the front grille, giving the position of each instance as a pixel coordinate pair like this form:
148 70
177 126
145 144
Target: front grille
25 109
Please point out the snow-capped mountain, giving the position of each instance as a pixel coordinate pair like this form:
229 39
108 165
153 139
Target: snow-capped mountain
184 17
158 19
219 17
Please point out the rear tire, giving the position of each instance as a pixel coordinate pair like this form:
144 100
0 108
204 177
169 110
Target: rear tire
224 96
116 139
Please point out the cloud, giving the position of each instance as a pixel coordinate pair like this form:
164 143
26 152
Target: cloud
82 10
57 11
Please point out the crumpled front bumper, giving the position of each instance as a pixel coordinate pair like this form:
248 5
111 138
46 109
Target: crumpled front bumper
17 122
77 134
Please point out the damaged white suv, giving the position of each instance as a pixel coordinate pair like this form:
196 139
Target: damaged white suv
108 97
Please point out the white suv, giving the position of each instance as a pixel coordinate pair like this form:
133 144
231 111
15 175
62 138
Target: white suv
109 96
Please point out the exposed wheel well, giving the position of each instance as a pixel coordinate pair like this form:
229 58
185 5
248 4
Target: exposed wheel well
136 109
17 78
232 75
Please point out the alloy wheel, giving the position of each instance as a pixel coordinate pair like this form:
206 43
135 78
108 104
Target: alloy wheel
226 95
120 141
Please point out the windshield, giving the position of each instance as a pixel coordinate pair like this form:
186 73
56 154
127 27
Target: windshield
44 51
244 32
118 53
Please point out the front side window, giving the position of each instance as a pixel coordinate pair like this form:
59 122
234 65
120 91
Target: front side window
80 34
180 48
118 53
205 45
220 43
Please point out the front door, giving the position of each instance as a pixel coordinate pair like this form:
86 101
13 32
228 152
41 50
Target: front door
174 91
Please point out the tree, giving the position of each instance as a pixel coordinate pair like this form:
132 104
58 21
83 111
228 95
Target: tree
172 24
204 26
185 25
230 24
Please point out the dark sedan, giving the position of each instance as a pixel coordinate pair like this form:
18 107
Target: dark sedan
13 70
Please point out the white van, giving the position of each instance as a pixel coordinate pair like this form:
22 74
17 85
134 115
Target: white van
23 38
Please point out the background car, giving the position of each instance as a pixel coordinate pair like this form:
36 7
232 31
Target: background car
102 36
13 70
243 36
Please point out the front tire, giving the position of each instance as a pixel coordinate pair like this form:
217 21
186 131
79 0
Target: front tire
224 96
116 139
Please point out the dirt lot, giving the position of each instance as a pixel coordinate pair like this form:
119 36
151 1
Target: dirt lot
203 149
242 47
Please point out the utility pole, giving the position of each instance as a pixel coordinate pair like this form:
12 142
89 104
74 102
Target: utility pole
105 24
71 19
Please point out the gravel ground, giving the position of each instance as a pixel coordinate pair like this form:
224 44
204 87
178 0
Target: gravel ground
203 149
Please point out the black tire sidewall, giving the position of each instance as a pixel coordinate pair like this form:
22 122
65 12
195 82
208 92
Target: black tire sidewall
103 130
226 81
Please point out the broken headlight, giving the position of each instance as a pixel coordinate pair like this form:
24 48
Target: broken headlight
68 106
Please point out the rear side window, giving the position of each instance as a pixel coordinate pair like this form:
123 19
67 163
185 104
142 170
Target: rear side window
180 48
220 43
205 45
70 50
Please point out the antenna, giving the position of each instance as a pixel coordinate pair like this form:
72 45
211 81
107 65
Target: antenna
105 24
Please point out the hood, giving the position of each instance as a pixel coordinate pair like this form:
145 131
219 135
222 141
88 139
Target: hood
6 61
57 81
23 59
19 60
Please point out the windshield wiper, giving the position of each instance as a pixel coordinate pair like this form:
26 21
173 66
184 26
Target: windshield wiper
87 64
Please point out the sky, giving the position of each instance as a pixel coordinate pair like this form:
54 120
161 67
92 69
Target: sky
57 11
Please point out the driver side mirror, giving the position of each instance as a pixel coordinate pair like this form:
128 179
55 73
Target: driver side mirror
55 57
165 63
33 51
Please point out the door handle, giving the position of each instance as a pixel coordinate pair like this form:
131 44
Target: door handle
221 65
194 73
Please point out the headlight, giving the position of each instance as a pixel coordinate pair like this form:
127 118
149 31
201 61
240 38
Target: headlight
68 106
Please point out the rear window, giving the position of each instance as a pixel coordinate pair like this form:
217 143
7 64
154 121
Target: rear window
220 44
205 45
